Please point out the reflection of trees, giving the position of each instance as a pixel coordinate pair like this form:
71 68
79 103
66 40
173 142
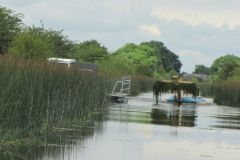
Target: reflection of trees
57 142
174 117
228 120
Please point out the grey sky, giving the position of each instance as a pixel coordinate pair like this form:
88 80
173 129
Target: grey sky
197 30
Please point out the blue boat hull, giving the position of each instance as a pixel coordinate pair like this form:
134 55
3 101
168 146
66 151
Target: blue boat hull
187 99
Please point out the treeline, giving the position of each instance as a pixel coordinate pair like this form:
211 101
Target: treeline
151 59
224 81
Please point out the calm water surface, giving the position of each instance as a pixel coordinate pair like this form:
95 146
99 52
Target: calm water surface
143 131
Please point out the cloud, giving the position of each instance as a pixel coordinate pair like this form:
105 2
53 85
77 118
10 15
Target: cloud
153 29
190 58
21 3
194 16
205 29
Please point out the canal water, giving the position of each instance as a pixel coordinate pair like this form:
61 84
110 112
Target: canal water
141 130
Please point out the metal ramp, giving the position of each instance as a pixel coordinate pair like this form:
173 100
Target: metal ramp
120 90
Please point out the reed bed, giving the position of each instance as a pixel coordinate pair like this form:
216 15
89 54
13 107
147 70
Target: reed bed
206 89
141 84
36 96
223 93
227 93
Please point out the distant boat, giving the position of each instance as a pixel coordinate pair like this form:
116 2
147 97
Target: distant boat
188 99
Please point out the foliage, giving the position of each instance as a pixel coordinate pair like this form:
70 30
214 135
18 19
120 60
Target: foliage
114 67
224 67
202 69
40 43
10 26
224 87
141 84
166 58
140 57
150 59
90 51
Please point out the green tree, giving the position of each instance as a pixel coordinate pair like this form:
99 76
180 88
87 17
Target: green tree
202 69
224 67
90 51
167 58
10 26
63 47
140 57
39 43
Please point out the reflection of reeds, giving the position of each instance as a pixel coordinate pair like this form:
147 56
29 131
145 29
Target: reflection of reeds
227 93
37 95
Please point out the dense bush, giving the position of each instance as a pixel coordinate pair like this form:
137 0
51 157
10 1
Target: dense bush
10 26
40 43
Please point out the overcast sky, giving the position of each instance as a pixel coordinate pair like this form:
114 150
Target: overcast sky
197 30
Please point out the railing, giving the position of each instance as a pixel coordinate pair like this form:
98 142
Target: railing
123 87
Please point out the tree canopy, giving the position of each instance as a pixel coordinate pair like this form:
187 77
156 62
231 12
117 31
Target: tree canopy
149 58
202 69
167 58
40 43
90 51
10 26
140 57
224 67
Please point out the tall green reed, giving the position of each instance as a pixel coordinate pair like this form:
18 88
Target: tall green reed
206 89
227 93
223 92
36 95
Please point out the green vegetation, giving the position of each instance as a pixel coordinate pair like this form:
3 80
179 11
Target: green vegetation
202 69
10 26
150 59
225 68
225 79
90 51
36 96
206 89
39 43
166 58
227 93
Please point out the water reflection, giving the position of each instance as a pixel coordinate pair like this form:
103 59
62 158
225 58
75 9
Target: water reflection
174 117
229 120
58 143
163 115
144 131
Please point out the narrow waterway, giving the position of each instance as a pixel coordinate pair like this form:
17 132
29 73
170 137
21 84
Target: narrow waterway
141 130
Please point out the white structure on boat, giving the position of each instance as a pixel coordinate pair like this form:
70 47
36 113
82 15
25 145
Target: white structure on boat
87 67
62 60
120 90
